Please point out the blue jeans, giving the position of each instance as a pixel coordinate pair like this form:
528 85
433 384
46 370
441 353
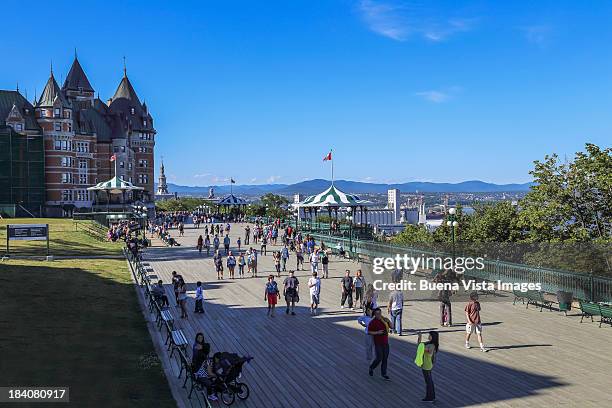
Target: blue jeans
396 319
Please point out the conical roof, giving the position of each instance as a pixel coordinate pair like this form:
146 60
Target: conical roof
125 90
50 93
76 79
334 197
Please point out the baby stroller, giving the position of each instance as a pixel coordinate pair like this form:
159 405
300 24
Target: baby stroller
229 372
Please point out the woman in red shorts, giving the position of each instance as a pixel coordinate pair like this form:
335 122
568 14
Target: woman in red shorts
271 295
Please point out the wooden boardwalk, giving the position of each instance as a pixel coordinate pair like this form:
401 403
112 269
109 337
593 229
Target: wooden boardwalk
536 359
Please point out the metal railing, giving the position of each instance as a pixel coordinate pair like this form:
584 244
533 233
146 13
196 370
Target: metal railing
583 286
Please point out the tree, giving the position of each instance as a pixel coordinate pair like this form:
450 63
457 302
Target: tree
274 205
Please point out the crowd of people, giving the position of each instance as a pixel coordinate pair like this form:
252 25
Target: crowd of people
354 292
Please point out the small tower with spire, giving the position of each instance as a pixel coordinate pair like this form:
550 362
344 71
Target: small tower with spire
162 186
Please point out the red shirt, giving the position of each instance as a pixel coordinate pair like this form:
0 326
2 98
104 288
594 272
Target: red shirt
379 339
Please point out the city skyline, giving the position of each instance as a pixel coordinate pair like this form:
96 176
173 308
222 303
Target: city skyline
401 91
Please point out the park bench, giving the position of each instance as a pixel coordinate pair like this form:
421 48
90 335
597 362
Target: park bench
165 317
590 309
178 341
536 298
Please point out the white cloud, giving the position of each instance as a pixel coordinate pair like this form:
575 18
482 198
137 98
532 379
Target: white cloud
434 96
272 179
537 34
398 20
254 179
217 179
202 175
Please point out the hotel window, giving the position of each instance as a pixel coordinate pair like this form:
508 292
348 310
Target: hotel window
66 177
143 178
66 161
70 127
130 166
58 127
142 163
132 111
130 179
19 127
82 147
82 178
66 145
57 145
123 149
43 113
82 163
122 165
116 149
144 122
56 113
66 195
67 114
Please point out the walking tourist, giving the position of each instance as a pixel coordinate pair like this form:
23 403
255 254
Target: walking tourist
238 243
347 290
314 283
291 292
370 299
264 243
241 263
175 284
182 298
199 298
285 257
426 355
271 295
299 255
395 308
446 315
247 235
207 245
359 284
276 255
379 329
218 261
231 264
314 261
226 244
472 314
325 263
216 242
364 321
200 244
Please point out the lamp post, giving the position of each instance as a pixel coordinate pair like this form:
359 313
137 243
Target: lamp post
453 224
296 213
349 219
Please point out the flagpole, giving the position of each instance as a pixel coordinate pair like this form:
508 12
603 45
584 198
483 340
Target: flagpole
115 166
231 186
332 165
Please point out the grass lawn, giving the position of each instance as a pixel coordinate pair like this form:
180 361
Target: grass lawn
77 323
64 239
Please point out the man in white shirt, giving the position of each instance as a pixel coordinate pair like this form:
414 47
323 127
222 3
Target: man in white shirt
395 308
314 284
314 261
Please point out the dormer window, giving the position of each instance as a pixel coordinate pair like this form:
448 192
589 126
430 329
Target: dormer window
56 112
144 122
19 127
43 113
132 111
58 127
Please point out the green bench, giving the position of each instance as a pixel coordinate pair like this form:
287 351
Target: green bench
533 297
591 310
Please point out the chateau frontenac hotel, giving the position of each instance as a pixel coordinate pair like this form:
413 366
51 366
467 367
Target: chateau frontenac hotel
55 147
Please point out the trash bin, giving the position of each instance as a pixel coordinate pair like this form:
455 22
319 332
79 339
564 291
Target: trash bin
565 301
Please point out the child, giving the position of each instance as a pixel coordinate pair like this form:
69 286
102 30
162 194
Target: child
199 298
472 314
271 295
364 321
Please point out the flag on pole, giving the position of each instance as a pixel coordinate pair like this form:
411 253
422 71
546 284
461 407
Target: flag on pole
113 157
327 156
232 181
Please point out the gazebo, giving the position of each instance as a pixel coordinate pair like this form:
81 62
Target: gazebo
115 186
231 201
332 200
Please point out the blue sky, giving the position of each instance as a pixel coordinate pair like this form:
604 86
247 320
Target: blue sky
402 90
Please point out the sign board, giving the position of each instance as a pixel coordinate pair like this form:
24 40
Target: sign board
27 232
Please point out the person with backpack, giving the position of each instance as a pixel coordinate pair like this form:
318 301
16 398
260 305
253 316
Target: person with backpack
347 290
425 358
291 292
271 295
264 244
325 263
218 260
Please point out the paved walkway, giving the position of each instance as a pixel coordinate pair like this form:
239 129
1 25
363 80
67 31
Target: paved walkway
536 359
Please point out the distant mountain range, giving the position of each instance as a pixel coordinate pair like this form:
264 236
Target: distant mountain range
318 185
